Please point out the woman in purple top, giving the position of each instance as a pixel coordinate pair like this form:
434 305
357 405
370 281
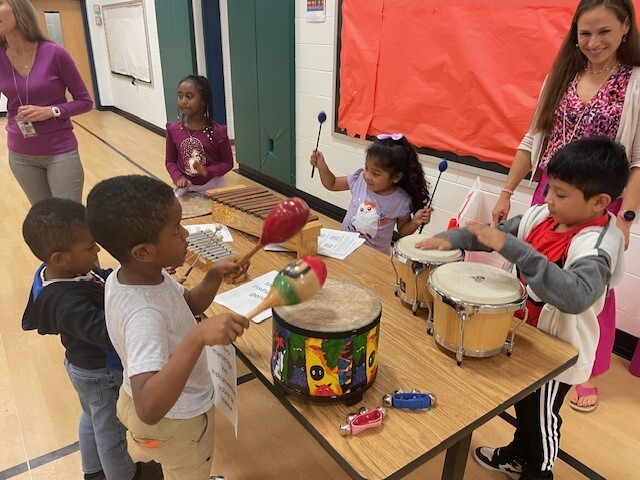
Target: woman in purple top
198 149
384 194
34 76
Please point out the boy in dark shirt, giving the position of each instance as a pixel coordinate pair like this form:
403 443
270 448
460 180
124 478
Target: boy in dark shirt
67 299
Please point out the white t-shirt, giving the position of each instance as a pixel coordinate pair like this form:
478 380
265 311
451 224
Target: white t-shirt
146 323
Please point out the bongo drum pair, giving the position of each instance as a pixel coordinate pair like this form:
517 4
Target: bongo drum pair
412 267
474 305
327 348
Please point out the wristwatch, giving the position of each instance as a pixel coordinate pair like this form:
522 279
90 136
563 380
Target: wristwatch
56 112
628 215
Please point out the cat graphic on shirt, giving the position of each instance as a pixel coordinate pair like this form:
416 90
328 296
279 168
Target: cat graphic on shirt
366 220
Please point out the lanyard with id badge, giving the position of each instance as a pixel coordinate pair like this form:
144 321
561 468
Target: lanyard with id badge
27 128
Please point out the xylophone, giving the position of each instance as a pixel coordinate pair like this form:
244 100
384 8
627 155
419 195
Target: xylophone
245 208
214 251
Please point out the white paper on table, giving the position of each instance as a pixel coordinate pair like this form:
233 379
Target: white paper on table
226 234
248 296
222 368
338 243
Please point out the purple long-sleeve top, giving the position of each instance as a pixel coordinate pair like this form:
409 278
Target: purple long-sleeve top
52 74
217 157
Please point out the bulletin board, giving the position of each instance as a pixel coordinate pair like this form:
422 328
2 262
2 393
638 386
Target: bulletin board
460 79
125 28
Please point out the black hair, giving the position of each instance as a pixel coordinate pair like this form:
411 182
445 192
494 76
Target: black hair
52 225
204 87
396 156
593 165
125 211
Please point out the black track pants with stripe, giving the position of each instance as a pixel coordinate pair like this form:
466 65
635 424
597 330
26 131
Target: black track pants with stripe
537 437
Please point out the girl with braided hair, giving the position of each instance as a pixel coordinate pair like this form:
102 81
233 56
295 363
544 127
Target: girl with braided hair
384 194
198 151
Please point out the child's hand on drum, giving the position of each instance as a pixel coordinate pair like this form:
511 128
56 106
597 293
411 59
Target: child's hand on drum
183 182
488 235
434 243
222 329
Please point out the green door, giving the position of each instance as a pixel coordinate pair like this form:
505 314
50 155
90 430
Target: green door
261 36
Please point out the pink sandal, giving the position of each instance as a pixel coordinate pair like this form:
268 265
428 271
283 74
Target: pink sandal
584 392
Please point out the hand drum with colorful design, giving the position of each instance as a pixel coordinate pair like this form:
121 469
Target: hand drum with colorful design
326 348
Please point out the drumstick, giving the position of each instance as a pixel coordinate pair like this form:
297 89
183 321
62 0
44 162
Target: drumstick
322 117
442 166
213 237
295 283
283 222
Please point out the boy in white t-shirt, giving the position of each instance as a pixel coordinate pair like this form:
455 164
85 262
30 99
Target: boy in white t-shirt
166 400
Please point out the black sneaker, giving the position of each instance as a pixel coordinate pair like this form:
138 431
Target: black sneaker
148 471
499 460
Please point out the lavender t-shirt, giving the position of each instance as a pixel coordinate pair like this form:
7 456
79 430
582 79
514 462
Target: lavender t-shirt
374 216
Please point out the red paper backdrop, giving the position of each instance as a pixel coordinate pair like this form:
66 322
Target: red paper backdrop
462 77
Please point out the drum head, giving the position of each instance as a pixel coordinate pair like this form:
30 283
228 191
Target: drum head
340 306
476 283
406 247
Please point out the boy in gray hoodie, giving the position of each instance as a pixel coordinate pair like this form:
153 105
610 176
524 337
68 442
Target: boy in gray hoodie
568 253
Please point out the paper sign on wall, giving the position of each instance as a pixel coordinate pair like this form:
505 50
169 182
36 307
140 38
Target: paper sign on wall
316 11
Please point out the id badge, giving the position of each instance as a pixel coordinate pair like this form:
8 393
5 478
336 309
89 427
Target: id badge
27 129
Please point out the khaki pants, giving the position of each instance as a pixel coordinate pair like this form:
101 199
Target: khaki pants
183 447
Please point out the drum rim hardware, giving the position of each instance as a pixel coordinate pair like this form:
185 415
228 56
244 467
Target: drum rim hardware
465 310
418 266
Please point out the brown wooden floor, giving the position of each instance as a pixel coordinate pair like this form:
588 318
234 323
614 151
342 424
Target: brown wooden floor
39 408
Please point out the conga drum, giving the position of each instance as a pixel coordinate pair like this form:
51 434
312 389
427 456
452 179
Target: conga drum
326 348
412 267
474 305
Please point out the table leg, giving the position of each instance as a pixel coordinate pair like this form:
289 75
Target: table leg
455 460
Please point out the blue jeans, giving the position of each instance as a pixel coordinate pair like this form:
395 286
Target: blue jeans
103 441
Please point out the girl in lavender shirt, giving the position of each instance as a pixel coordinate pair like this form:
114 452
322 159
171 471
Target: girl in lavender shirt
34 76
384 194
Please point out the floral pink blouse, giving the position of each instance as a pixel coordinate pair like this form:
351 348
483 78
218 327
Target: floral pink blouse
601 115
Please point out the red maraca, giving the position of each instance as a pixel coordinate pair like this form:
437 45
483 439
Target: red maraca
283 222
295 283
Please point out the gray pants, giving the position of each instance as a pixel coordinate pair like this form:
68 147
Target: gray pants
41 177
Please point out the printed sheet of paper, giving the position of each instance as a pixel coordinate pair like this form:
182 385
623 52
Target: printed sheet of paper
222 368
337 243
226 234
248 296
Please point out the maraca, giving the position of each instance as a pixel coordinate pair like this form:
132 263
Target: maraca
295 283
283 222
